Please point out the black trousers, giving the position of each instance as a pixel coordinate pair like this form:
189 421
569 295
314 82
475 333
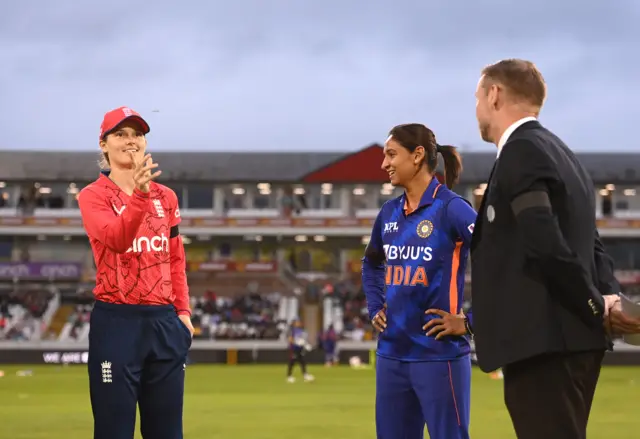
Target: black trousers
550 396
137 356
296 356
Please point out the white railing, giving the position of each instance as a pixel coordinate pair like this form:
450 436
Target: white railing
17 313
52 307
83 334
260 213
191 213
66 331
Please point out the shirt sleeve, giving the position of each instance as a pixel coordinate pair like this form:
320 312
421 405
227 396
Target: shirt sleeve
462 218
116 233
526 176
373 266
178 260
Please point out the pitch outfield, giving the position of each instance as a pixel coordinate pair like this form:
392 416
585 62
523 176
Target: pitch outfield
255 402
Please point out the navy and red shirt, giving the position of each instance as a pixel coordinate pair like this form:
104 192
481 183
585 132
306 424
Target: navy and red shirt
416 260
136 246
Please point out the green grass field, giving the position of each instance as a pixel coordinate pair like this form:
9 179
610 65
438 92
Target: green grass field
255 402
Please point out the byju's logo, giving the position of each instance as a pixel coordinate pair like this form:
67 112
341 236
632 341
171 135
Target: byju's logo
408 253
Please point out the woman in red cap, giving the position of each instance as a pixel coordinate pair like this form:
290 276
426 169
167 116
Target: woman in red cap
140 326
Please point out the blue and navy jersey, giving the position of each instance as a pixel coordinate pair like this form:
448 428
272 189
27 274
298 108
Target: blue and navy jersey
297 338
415 261
329 341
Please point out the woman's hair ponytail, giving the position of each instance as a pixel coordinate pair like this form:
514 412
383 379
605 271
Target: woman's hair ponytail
452 164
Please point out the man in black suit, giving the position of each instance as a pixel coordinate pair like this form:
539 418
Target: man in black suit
539 270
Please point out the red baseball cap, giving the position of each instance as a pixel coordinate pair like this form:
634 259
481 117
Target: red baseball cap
115 117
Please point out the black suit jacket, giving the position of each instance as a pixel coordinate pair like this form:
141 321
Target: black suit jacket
538 267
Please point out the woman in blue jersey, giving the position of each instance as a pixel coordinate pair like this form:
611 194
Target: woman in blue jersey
298 345
415 261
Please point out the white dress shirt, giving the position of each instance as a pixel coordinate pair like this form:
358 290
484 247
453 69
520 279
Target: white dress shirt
509 131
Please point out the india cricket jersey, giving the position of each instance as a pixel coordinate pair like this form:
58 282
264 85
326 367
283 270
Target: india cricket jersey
416 261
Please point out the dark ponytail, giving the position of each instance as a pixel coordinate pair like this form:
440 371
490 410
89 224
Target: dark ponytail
452 164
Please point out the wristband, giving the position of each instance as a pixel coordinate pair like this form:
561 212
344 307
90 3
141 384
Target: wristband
467 326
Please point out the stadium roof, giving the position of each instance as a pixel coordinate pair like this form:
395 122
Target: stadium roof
271 166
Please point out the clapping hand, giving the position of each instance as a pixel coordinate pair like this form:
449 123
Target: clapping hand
142 175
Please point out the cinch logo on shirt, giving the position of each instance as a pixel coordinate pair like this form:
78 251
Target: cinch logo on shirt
408 252
470 228
145 244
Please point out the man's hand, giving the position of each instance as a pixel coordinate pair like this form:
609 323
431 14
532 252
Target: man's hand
142 175
615 321
380 320
447 324
186 319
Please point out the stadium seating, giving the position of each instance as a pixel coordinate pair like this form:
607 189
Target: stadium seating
25 312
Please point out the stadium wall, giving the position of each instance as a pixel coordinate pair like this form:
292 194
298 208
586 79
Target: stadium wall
233 352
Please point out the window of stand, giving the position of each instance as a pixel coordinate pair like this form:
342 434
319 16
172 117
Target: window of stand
8 195
317 197
264 196
200 196
48 195
388 192
362 198
180 191
51 195
626 199
235 197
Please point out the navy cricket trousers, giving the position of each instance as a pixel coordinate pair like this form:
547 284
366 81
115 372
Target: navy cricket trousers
412 394
137 356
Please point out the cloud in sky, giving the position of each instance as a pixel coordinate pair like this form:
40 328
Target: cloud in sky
295 75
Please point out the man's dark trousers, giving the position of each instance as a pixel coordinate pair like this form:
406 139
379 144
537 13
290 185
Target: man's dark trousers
550 395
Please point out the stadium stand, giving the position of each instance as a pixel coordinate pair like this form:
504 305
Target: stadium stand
26 311
269 236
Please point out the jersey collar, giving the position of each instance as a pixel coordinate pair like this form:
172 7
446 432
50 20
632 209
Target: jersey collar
427 198
105 180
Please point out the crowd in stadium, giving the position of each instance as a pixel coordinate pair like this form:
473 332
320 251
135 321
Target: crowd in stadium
245 315
21 313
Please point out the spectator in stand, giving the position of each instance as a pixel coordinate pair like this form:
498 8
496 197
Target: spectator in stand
247 316
287 203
